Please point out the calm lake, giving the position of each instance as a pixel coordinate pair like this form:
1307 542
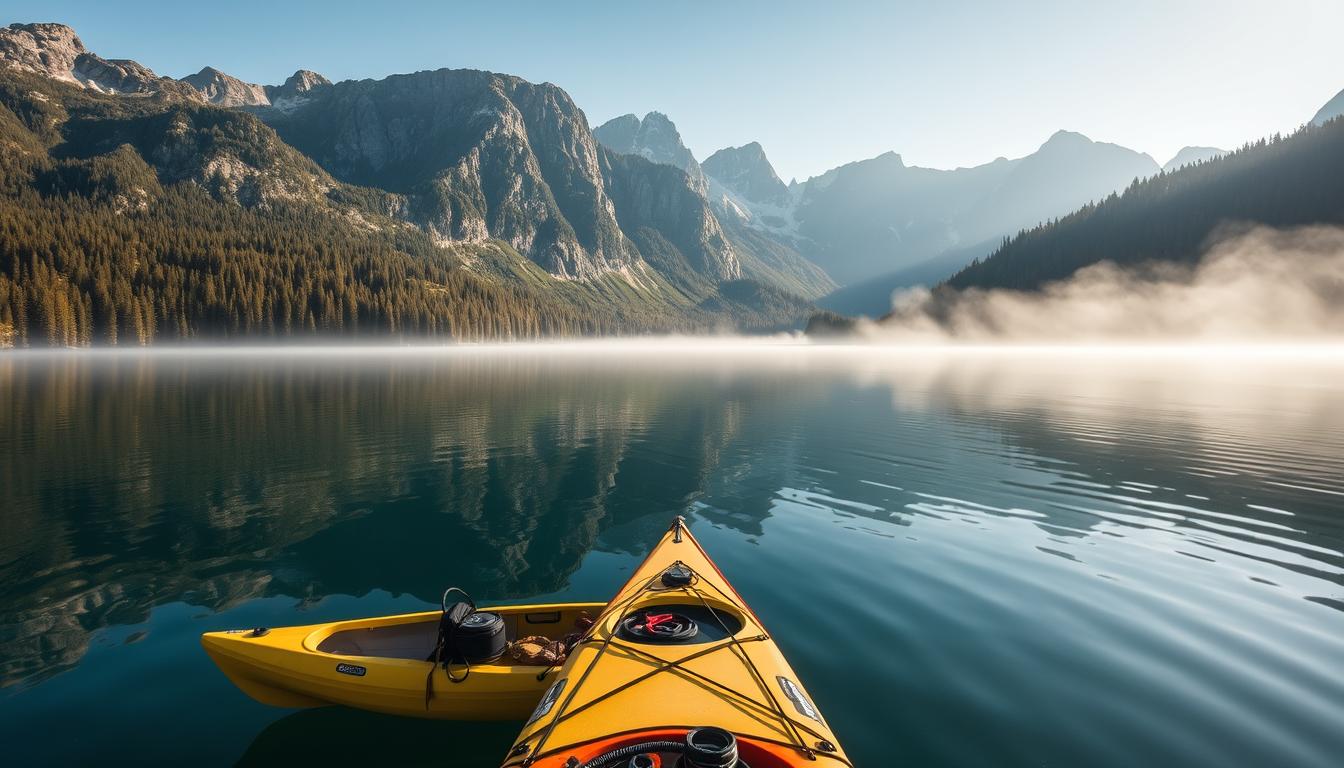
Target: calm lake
1009 558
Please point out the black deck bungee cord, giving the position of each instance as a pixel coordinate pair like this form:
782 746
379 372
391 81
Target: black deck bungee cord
794 728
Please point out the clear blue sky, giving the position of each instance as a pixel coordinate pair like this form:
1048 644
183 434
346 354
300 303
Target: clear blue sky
817 83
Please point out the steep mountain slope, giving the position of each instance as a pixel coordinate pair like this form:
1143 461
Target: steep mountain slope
1282 182
655 138
875 216
478 155
1332 109
661 206
747 172
756 210
764 245
132 220
873 297
226 90
1191 155
294 91
769 258
1069 169
55 51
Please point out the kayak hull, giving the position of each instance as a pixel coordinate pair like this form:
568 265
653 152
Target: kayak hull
380 665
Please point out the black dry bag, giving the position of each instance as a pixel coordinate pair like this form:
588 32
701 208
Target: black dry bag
466 637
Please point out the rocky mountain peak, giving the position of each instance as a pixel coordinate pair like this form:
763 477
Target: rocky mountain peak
747 171
477 155
295 91
225 90
304 80
654 138
55 51
47 49
1062 139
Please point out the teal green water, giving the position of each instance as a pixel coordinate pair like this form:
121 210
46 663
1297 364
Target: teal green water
1010 559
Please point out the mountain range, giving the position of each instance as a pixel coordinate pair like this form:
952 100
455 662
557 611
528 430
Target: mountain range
1281 182
479 185
874 222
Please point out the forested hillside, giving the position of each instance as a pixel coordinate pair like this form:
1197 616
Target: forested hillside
135 220
1280 182
102 247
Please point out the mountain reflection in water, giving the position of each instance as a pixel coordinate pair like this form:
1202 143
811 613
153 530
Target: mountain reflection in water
1060 551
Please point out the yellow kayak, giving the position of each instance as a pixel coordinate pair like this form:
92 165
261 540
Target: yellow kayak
382 664
677 671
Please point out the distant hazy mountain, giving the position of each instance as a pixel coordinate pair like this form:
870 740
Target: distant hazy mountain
872 297
763 242
877 216
746 171
1068 170
756 210
655 138
1191 155
1294 181
1332 109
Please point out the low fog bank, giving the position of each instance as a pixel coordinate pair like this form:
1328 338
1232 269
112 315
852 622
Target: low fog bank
1257 286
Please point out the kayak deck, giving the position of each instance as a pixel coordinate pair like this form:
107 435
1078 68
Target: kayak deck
622 684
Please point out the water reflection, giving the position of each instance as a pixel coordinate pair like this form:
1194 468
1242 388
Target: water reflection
135 481
1165 503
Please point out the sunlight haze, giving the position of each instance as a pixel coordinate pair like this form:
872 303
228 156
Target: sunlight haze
819 85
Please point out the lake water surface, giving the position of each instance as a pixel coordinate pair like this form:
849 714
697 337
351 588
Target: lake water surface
1009 558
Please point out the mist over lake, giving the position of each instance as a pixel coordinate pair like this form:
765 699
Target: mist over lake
1017 557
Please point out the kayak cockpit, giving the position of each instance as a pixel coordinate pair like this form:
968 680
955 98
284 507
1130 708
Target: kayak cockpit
396 641
414 636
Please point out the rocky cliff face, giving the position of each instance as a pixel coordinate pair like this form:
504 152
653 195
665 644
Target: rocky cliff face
655 138
659 197
55 51
129 150
294 91
225 90
747 171
761 234
479 155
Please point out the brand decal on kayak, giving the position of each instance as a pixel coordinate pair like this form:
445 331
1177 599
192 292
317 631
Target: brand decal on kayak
798 698
547 701
351 669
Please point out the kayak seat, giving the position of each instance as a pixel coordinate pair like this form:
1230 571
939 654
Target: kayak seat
416 640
